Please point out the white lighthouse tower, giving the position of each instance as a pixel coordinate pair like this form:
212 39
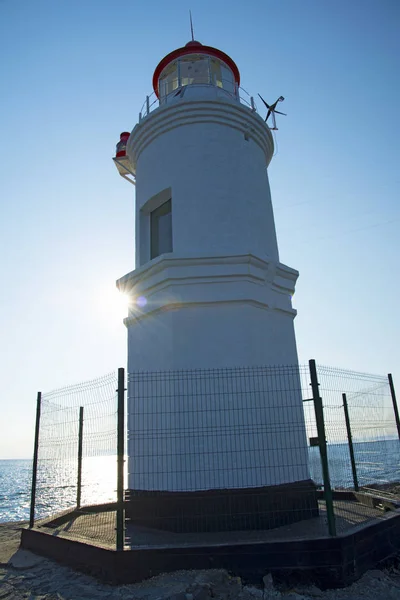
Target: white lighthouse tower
208 290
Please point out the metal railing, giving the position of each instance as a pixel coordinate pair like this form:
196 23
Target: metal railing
329 436
152 102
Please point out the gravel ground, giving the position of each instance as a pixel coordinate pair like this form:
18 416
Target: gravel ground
26 575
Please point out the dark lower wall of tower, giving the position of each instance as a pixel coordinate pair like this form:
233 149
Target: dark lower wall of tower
223 509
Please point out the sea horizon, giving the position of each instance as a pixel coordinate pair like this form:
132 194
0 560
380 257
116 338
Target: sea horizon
377 463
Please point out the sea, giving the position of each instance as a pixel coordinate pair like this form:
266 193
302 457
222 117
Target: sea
377 462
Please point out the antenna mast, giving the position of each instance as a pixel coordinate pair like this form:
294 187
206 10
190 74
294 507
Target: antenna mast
191 25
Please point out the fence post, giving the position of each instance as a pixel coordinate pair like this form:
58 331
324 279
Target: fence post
350 440
396 410
120 459
319 416
80 444
35 460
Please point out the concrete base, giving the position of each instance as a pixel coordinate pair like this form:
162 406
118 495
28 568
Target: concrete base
327 561
223 510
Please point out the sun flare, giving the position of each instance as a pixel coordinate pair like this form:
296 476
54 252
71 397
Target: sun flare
114 304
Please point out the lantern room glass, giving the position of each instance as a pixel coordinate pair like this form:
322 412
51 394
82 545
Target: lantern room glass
196 69
168 81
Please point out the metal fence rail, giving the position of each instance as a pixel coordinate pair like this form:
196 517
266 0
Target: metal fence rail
363 442
372 426
152 102
252 448
76 455
204 444
218 428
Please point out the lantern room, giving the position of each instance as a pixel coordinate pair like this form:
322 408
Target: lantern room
195 64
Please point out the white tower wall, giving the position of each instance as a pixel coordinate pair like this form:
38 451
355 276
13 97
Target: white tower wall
211 312
214 161
221 298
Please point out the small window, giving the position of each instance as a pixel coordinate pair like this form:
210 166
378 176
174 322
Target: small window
161 230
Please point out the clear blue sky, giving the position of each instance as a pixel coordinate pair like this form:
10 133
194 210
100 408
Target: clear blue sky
75 74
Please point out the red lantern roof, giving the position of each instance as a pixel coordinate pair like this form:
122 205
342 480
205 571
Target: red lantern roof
194 47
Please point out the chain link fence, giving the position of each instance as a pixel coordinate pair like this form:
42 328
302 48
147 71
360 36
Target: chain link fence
372 424
77 457
268 451
205 444
362 440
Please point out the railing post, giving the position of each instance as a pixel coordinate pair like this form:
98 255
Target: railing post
80 445
179 73
319 416
147 105
350 440
35 460
396 410
253 106
120 459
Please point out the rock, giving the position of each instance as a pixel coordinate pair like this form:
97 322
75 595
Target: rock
255 592
90 591
200 591
233 588
395 581
28 576
212 576
268 582
309 590
376 574
203 594
176 596
5 590
313 590
44 588
23 559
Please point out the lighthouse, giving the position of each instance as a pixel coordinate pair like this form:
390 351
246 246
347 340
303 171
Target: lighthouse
208 291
